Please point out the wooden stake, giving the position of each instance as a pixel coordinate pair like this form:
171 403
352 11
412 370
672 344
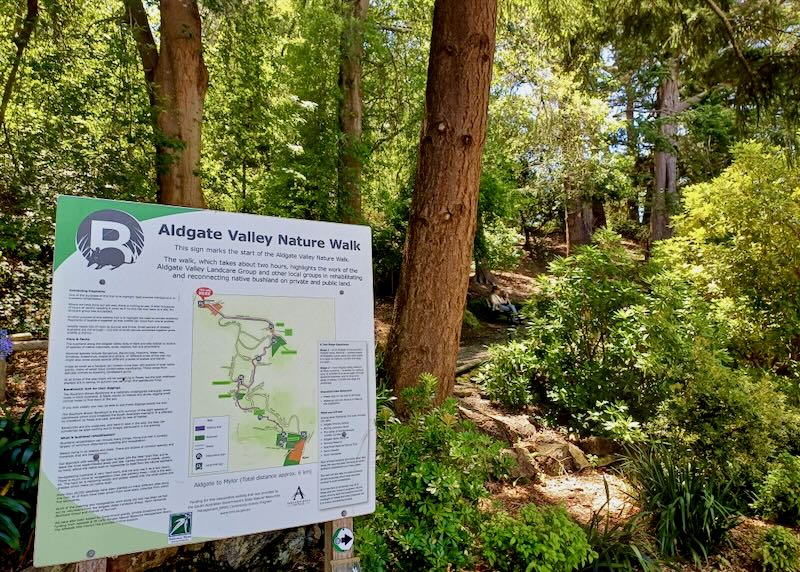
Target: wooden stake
336 561
97 565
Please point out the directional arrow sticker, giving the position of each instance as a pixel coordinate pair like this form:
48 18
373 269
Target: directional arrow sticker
343 539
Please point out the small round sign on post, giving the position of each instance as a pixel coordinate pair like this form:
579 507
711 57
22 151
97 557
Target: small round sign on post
343 539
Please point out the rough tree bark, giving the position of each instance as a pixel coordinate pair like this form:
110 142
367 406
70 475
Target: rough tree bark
665 192
351 110
579 220
177 80
431 296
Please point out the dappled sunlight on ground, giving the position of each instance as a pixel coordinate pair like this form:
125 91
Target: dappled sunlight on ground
582 494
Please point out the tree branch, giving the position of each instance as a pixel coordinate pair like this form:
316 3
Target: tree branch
21 40
731 36
136 18
686 104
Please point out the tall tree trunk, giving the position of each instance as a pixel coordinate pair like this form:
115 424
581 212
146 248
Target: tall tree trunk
351 110
181 83
578 221
177 80
579 217
665 192
430 299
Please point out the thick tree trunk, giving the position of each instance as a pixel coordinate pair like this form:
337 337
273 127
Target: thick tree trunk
181 83
351 110
430 300
177 81
579 217
665 191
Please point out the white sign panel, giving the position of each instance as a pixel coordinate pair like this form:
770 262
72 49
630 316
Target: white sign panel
210 375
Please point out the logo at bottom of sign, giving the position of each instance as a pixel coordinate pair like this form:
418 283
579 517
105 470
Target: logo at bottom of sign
343 539
180 527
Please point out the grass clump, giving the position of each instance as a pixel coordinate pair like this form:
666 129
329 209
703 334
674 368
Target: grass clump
691 512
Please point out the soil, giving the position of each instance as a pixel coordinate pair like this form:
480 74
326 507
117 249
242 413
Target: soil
26 380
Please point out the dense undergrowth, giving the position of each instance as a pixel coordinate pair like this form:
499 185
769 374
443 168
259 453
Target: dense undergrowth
435 513
690 358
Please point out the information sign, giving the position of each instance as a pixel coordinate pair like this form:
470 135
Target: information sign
210 375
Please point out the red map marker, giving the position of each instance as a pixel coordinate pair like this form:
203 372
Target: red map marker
204 292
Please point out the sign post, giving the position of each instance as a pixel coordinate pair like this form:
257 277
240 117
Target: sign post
210 375
339 544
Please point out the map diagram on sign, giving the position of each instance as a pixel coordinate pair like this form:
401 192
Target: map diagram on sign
254 380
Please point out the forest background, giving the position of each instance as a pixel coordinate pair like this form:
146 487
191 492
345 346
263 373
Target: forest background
591 102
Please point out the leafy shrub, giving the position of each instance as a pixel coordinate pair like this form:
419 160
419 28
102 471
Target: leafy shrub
430 475
619 221
470 321
540 540
778 551
731 422
606 328
20 441
585 337
25 288
614 422
737 241
778 496
691 512
506 377
500 247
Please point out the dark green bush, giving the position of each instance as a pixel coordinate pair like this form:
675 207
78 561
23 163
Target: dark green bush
691 512
539 540
778 551
607 332
778 497
507 376
729 422
20 442
430 475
